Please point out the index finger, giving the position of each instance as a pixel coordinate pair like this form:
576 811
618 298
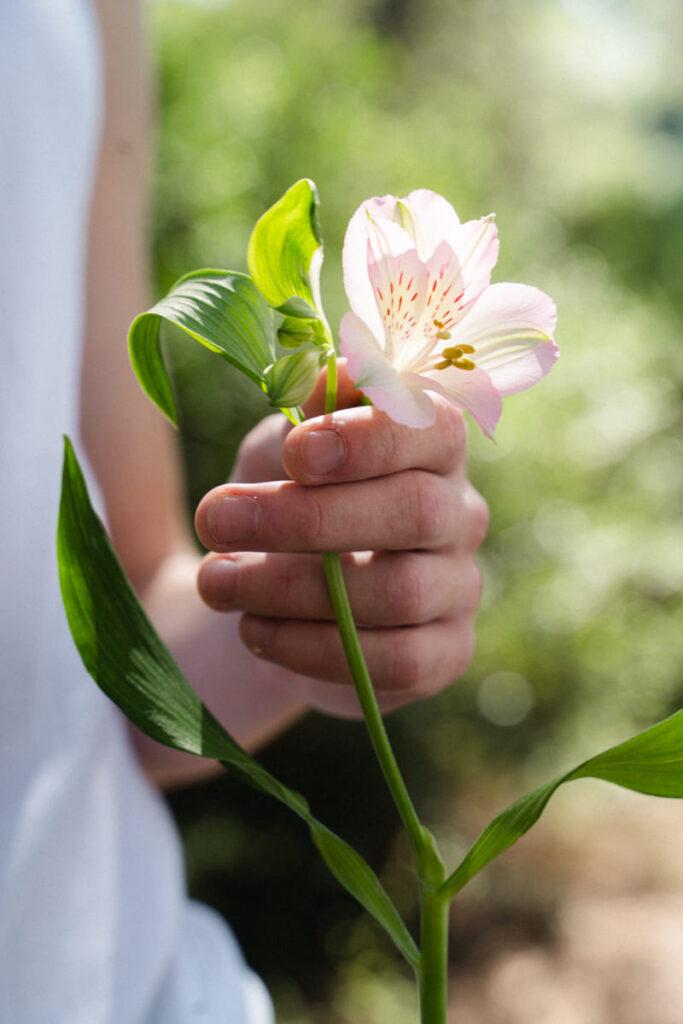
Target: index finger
362 443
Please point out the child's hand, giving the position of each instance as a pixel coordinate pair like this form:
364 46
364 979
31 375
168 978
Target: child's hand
398 502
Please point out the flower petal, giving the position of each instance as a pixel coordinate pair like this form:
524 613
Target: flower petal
372 372
355 254
511 328
400 287
433 220
472 390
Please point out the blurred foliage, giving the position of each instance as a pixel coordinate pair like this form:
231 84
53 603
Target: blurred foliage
565 118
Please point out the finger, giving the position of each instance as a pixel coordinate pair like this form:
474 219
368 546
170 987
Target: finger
358 444
417 660
260 454
391 589
407 510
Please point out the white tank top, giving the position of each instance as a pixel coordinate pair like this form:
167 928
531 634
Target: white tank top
95 927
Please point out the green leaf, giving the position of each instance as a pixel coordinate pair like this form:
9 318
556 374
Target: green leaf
285 252
221 310
291 379
651 762
122 652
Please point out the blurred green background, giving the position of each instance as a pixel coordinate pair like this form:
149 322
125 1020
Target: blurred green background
565 118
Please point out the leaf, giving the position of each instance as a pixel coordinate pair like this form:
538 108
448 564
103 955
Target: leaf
291 379
651 762
285 252
122 652
220 309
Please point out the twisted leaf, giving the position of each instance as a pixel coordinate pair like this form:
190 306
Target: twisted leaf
122 652
651 762
220 309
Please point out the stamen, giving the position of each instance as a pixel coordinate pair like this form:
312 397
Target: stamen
454 356
443 335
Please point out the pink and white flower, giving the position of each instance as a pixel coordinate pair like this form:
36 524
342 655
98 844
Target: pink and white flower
425 318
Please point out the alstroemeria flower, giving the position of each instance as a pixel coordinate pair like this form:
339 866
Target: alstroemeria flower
426 319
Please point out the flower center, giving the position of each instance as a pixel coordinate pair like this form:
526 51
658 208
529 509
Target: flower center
454 355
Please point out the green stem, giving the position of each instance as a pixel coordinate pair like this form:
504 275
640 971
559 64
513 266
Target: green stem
433 976
368 702
331 384
339 597
433 968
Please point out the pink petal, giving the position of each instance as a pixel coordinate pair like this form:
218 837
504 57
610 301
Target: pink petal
457 277
400 285
355 254
434 220
511 328
372 372
469 389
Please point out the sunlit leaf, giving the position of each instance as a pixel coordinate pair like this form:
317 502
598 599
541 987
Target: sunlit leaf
123 654
651 762
219 309
285 252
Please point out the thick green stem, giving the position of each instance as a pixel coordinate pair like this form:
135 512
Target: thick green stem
433 973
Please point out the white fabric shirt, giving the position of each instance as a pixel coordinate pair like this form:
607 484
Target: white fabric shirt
95 927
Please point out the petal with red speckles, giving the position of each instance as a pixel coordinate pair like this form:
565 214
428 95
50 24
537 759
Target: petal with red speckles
389 390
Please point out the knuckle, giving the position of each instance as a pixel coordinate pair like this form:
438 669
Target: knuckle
310 520
388 440
453 431
406 662
249 460
479 517
472 584
429 508
287 582
407 599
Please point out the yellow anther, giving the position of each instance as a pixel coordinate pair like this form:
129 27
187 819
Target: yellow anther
438 323
454 355
443 335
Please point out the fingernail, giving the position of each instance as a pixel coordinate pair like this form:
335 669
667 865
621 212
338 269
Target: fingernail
258 634
233 519
322 451
219 581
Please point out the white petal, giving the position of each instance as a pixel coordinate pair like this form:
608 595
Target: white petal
434 220
471 390
511 328
372 372
355 254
